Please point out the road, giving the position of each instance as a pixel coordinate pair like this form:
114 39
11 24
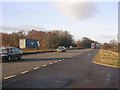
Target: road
73 69
32 61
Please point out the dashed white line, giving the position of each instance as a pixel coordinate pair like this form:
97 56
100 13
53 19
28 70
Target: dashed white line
60 60
50 63
86 80
44 65
28 71
24 72
88 54
56 61
9 76
108 77
36 68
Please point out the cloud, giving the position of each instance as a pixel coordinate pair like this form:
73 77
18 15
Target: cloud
78 10
9 29
30 27
108 36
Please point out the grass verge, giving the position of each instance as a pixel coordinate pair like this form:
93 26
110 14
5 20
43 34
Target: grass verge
37 51
107 58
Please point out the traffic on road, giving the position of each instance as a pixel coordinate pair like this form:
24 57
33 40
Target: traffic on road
73 69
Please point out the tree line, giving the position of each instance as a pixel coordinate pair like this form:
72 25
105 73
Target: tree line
50 39
112 45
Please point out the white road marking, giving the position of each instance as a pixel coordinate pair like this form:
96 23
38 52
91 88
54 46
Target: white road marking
44 65
24 72
89 54
86 80
9 76
60 60
56 61
108 77
36 68
50 63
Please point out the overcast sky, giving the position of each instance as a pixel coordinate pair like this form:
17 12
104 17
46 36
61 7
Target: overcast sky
95 20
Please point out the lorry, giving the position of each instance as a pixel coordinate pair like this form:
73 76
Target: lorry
95 45
98 46
28 43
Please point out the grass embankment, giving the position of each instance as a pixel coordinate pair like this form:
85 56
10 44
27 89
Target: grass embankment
107 58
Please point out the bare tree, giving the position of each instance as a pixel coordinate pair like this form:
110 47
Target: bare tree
59 38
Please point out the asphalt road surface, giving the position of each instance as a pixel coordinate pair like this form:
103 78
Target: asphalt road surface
32 61
73 69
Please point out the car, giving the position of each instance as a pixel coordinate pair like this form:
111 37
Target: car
10 53
61 49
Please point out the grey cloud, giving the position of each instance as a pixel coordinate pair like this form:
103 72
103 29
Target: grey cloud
9 29
108 36
78 10
30 27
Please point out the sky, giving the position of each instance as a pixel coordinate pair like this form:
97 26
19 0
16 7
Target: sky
95 20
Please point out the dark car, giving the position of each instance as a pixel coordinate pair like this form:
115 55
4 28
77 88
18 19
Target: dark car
10 53
61 49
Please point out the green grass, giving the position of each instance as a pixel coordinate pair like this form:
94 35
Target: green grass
107 58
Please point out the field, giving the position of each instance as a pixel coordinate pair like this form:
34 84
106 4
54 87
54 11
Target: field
107 58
